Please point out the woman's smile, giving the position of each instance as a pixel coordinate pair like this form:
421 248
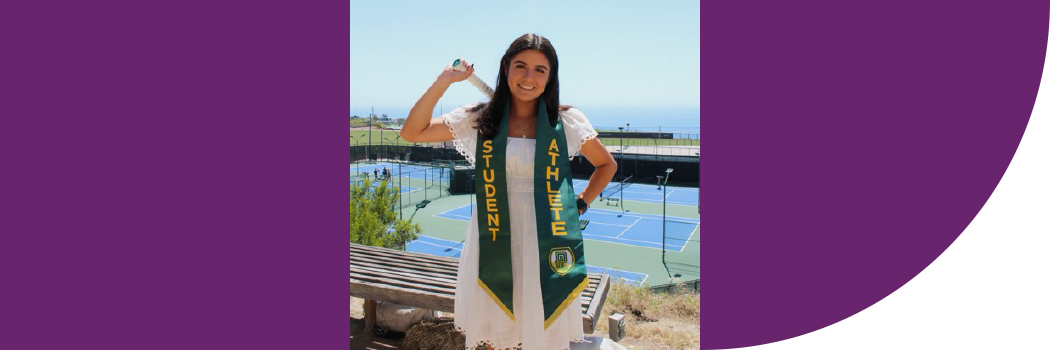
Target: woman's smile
528 75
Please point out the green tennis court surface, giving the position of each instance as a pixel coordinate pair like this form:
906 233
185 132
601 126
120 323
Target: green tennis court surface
623 239
442 247
634 229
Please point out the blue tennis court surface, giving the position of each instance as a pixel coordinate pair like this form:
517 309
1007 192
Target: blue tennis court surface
435 246
441 247
393 183
646 192
632 278
641 230
410 171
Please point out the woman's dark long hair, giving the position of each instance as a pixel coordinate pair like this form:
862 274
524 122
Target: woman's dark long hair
492 113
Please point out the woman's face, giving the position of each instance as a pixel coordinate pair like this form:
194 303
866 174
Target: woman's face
527 75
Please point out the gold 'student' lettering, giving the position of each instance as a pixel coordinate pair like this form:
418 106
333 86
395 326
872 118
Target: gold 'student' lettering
490 204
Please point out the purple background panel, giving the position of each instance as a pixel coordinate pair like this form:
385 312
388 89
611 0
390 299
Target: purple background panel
175 175
845 146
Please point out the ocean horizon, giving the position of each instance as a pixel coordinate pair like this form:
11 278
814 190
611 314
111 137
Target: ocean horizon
670 119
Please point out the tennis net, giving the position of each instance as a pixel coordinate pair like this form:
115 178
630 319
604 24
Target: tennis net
609 192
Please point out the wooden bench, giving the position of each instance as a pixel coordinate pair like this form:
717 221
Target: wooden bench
429 282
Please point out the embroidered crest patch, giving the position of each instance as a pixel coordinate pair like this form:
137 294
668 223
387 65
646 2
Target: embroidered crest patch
561 260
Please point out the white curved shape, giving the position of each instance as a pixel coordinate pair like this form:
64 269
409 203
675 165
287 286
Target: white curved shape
989 289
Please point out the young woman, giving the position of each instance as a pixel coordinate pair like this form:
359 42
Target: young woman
521 270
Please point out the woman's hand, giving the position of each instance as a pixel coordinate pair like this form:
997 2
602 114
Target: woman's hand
450 75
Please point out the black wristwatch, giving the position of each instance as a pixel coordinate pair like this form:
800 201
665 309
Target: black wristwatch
581 205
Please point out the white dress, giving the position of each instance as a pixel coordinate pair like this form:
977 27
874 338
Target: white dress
476 314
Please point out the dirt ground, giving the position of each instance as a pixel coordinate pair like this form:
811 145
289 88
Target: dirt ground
361 339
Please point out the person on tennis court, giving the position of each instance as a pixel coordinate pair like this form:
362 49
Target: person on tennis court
521 270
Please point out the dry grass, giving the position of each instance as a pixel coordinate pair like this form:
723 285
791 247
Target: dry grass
662 321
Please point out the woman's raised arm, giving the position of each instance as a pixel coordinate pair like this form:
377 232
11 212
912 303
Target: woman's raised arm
419 126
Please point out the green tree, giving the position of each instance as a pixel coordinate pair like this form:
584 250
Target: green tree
373 220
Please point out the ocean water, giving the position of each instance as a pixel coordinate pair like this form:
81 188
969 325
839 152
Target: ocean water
667 119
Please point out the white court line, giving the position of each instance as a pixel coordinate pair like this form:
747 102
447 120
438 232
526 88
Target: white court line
603 223
629 245
638 217
446 213
683 219
439 239
454 217
628 227
437 245
636 240
644 275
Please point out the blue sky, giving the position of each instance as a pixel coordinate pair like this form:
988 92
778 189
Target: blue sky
612 54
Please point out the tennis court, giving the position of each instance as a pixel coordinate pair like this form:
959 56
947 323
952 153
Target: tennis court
391 183
418 181
433 173
441 247
642 192
633 229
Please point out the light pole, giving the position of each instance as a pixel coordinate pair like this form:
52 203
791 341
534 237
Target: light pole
386 149
400 201
663 250
698 182
629 130
409 178
620 171
370 131
356 161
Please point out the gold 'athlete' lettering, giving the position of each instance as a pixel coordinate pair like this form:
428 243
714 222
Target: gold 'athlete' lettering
554 173
558 228
554 199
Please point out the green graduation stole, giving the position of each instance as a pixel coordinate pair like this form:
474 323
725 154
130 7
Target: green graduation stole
562 272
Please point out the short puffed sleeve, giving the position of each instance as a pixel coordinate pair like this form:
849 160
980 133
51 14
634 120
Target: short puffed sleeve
460 122
577 130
